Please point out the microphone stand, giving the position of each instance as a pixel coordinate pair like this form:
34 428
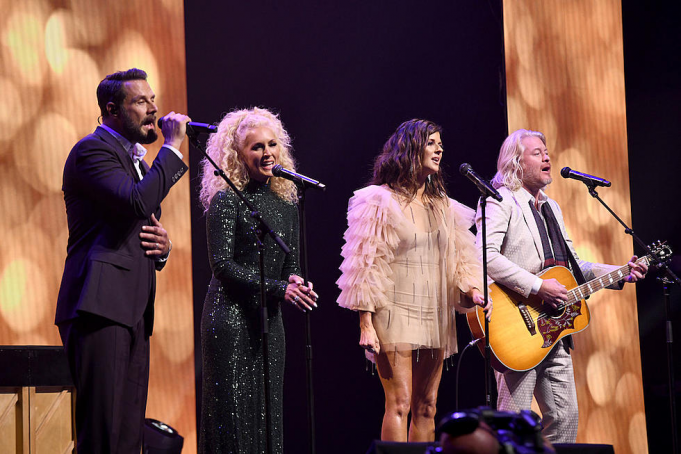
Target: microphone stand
488 350
260 231
308 321
666 280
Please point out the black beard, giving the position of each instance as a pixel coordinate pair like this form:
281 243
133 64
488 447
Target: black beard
134 133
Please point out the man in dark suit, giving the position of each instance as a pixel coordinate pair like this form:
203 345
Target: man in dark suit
116 244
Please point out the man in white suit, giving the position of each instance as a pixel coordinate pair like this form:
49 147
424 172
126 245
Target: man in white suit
526 234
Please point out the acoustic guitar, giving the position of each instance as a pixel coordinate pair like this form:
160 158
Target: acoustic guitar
524 330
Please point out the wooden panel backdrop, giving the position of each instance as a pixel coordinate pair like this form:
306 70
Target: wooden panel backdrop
565 77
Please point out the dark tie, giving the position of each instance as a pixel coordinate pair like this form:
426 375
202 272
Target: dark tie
546 242
563 256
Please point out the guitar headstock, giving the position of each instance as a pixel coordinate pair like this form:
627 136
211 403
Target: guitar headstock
661 252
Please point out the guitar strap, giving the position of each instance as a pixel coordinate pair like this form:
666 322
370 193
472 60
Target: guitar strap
576 270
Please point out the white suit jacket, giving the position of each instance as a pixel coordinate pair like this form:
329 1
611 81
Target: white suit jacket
514 250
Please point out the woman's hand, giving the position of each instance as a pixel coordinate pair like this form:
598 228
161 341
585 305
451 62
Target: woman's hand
479 300
368 339
300 295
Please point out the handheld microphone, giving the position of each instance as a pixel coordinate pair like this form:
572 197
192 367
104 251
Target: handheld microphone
195 128
485 188
587 179
279 171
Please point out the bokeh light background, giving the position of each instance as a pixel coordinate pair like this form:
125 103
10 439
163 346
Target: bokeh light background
565 77
52 56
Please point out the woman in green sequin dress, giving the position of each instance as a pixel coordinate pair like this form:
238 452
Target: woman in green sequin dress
247 145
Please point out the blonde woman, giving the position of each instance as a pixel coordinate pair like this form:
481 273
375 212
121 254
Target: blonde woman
408 257
247 145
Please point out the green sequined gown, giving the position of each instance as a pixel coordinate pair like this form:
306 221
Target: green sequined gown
233 406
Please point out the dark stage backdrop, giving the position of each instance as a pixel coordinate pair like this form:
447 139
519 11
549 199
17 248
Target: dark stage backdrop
653 85
344 75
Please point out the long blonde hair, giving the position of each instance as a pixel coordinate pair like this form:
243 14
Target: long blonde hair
509 171
224 147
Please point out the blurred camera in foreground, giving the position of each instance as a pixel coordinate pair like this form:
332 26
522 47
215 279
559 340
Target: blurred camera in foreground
486 431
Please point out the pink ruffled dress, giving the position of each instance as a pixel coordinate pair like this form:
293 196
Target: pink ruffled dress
408 264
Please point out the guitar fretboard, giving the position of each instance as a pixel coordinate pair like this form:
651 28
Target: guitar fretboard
601 282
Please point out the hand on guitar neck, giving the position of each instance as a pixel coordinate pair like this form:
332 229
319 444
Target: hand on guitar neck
554 293
638 270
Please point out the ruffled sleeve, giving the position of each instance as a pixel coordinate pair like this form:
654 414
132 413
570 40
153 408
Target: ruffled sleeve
464 270
370 242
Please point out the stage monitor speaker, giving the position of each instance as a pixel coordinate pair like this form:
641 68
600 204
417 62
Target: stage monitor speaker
160 438
583 448
391 447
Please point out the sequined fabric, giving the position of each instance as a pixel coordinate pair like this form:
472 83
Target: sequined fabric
233 407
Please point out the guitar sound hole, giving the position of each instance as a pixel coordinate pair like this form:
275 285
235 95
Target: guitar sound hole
551 312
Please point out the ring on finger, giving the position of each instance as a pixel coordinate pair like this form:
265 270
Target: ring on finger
296 299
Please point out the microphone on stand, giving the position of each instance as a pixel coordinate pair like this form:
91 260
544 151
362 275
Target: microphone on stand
279 171
587 179
195 128
485 188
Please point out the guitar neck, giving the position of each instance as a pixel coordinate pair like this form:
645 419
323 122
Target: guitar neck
601 282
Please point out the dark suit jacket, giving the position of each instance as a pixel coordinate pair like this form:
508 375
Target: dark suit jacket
106 272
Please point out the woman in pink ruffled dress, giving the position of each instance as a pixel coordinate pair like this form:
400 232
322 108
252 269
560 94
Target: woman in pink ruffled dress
408 257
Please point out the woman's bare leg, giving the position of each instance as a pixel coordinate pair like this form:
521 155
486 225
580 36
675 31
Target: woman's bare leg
394 369
426 374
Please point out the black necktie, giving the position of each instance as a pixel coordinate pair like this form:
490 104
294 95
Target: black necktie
554 237
546 240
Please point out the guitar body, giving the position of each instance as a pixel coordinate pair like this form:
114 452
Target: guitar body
524 330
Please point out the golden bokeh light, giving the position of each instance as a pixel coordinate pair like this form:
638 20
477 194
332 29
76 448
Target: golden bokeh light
89 23
637 433
172 327
41 164
601 427
628 394
13 283
11 112
24 37
16 202
72 92
131 50
56 49
602 377
23 292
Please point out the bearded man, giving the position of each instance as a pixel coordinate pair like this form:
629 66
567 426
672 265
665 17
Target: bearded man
526 234
116 244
